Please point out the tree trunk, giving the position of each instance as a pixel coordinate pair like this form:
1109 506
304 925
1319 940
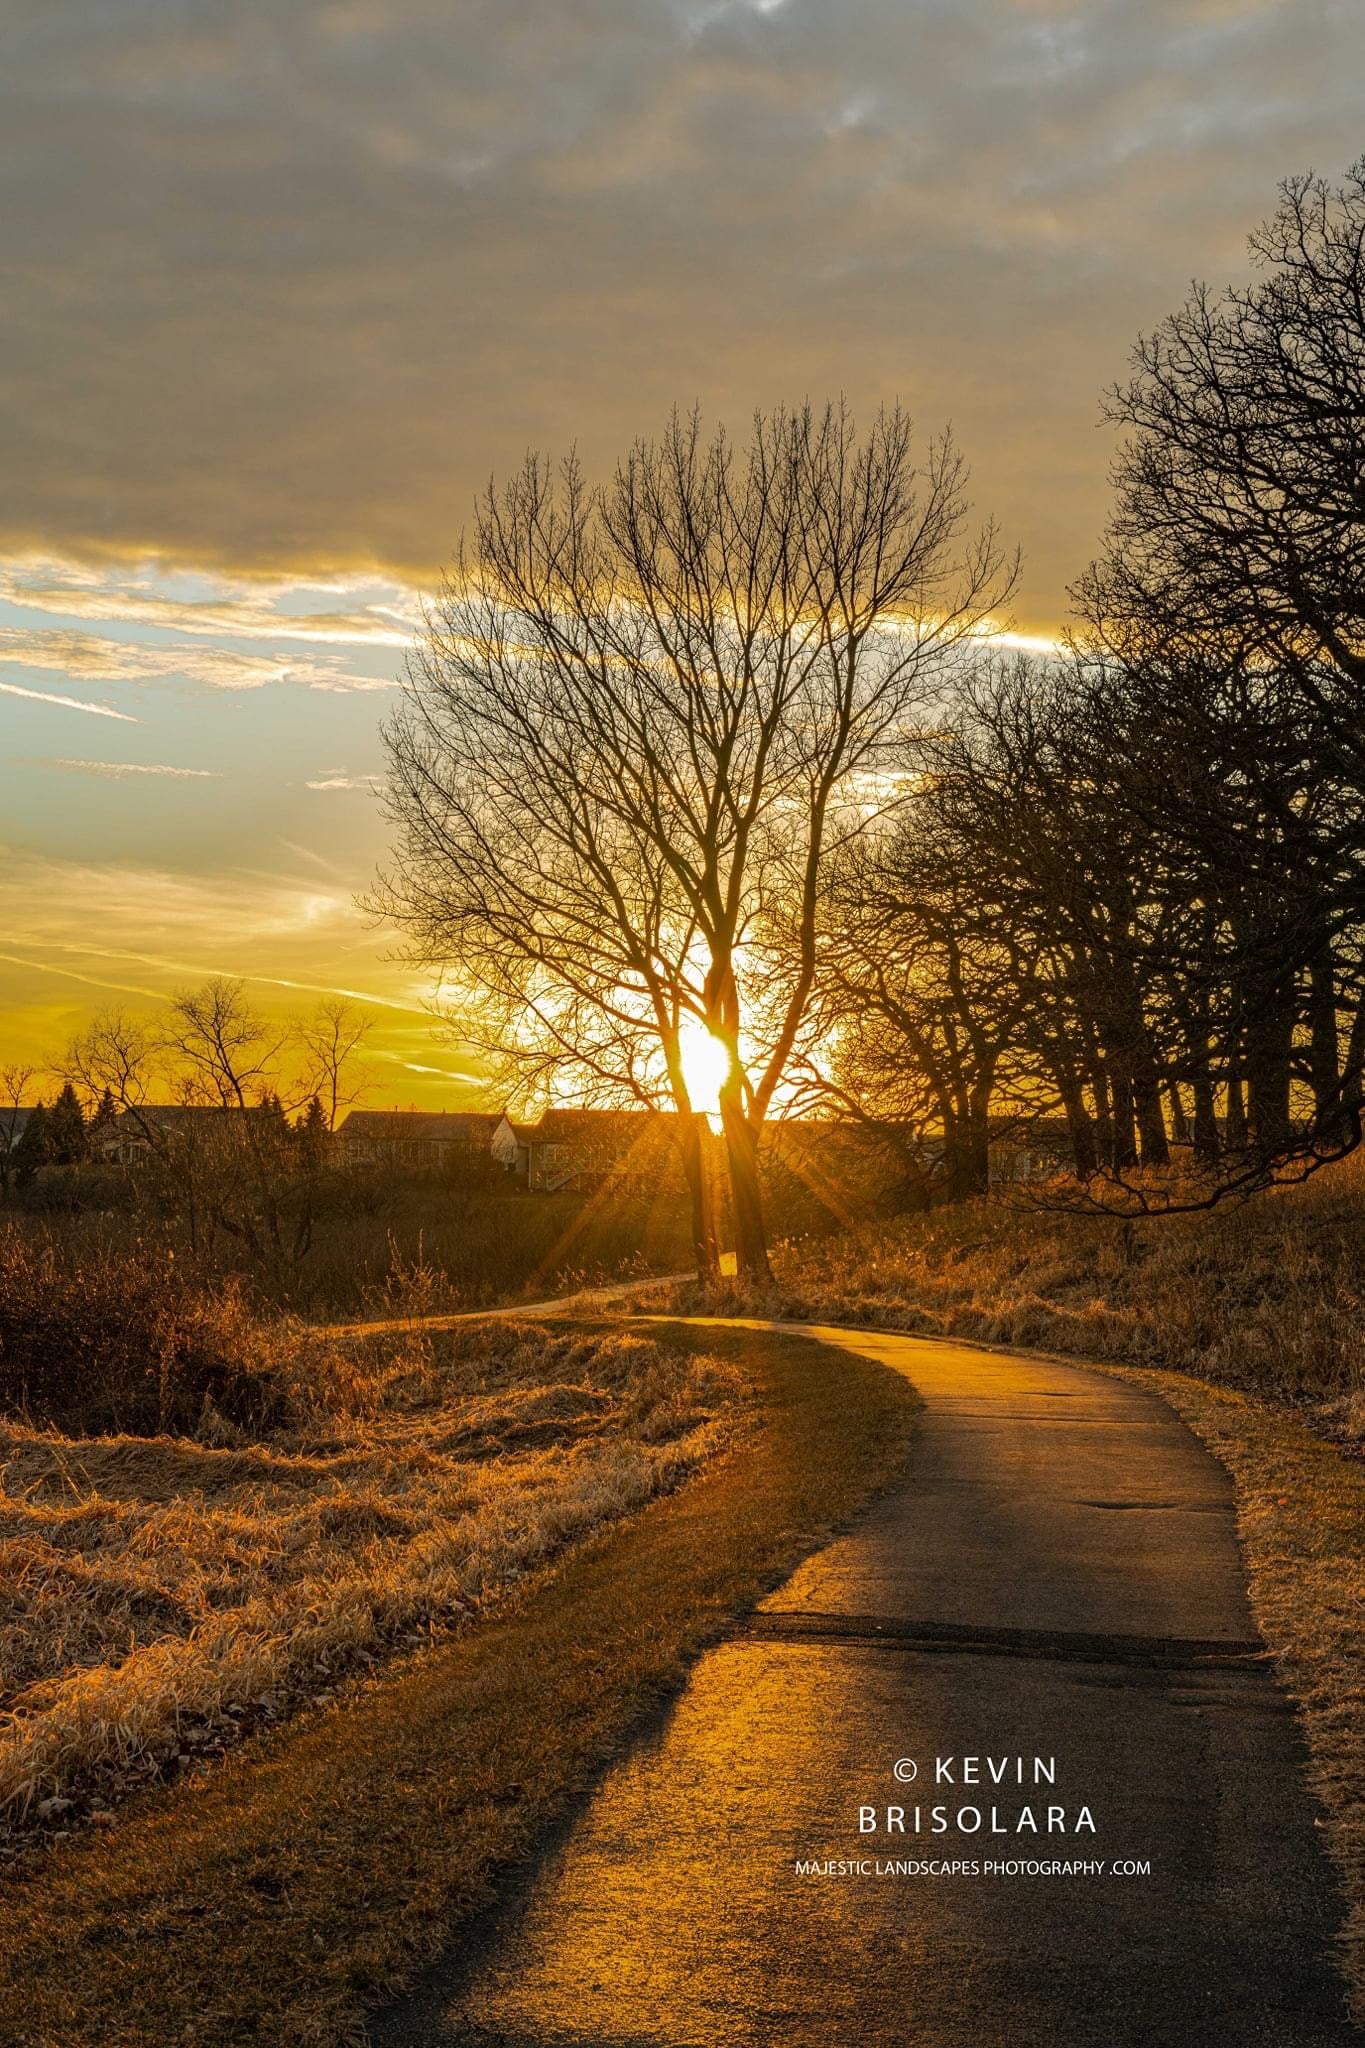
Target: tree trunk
962 1175
1180 1123
1104 1115
695 1144
1154 1150
1353 1073
1237 1113
1324 1048
1268 1040
741 1151
1125 1140
1080 1129
979 1139
1205 1120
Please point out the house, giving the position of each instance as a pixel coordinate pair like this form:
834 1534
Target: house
418 1138
511 1146
153 1129
137 1134
631 1148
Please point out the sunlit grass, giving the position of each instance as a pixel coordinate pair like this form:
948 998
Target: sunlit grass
285 1891
166 1594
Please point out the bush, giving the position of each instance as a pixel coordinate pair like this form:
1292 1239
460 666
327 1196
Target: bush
120 1339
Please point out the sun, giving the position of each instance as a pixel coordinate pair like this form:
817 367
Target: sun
705 1065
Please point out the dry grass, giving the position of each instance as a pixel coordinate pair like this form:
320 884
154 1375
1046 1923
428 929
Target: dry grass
1268 1296
163 1595
277 1896
464 1241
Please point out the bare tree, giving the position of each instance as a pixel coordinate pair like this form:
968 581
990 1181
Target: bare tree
332 1040
1238 523
224 1053
926 985
226 1161
15 1082
644 719
119 1056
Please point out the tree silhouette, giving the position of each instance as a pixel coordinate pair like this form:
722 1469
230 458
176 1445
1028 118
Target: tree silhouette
68 1140
32 1152
332 1040
15 1082
644 719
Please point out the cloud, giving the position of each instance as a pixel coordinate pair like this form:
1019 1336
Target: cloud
68 703
281 932
366 782
65 590
285 289
102 659
116 769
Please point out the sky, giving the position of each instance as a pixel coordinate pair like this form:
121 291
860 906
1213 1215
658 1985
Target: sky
285 283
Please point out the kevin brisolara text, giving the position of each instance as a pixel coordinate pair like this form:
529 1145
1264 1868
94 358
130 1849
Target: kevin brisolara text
936 1866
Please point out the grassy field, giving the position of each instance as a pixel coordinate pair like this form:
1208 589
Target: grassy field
383 1241
274 1895
426 1242
163 1595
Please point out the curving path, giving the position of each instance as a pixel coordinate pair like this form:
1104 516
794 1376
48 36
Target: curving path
1056 1577
587 1301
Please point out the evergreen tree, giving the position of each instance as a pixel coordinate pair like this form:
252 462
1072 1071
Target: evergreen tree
103 1121
271 1107
68 1140
32 1150
312 1133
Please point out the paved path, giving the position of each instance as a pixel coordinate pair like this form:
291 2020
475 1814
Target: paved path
587 1301
1056 1577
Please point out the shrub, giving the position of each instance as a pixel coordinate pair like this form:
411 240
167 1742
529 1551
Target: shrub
121 1338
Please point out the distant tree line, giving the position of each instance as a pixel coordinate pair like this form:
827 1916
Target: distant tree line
228 1114
724 744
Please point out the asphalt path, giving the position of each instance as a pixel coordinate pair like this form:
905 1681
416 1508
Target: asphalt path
1053 1590
586 1301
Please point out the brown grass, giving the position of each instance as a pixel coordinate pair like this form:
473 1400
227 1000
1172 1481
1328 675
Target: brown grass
280 1893
163 1595
119 1336
461 1241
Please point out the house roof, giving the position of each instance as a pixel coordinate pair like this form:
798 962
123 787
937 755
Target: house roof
577 1126
182 1112
435 1124
525 1134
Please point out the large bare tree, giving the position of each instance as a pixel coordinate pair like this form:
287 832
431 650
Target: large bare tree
643 718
